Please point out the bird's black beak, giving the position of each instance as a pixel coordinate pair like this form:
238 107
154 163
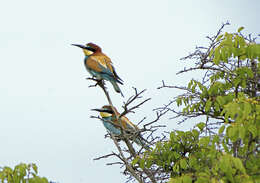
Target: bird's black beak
99 110
79 45
103 110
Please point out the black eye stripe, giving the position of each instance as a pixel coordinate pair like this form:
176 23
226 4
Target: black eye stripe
108 111
90 49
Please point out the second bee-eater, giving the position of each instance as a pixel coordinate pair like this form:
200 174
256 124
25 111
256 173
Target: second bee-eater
99 65
109 119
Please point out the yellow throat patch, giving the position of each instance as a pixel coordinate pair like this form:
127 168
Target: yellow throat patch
87 52
105 114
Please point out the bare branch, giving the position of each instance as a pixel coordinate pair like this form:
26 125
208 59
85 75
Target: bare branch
138 174
127 164
105 156
115 163
136 96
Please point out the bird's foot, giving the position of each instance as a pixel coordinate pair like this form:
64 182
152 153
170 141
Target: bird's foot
99 82
92 78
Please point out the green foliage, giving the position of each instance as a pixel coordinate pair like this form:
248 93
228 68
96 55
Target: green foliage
229 96
22 173
190 158
238 57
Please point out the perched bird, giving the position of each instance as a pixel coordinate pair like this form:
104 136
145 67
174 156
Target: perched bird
99 65
111 123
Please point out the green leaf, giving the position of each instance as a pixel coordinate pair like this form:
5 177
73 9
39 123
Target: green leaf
242 43
242 132
220 100
176 168
211 53
183 163
192 161
204 141
224 55
149 163
201 125
221 129
225 166
202 178
141 163
208 106
179 101
187 179
246 110
215 139
35 168
219 37
45 180
253 130
239 165
216 58
135 161
190 84
195 133
192 108
171 180
233 133
225 147
240 29
193 88
172 136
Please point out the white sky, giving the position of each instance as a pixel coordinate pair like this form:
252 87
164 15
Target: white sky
45 99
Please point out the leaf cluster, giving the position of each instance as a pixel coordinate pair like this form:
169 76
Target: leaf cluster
225 147
21 173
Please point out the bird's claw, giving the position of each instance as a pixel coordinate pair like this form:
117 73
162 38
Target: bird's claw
99 82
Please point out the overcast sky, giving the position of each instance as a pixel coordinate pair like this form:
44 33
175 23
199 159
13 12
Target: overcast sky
45 100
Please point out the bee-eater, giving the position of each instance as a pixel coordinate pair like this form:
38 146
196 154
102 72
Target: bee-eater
109 119
99 65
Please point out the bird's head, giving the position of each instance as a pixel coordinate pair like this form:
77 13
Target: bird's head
89 49
105 112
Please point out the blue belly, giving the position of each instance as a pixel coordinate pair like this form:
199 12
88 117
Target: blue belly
111 128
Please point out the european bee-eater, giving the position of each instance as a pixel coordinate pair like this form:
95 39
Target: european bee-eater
99 65
111 123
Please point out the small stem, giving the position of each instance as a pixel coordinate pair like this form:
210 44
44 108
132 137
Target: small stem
132 151
129 145
129 167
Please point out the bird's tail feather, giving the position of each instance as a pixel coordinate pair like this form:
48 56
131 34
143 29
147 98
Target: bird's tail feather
116 87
